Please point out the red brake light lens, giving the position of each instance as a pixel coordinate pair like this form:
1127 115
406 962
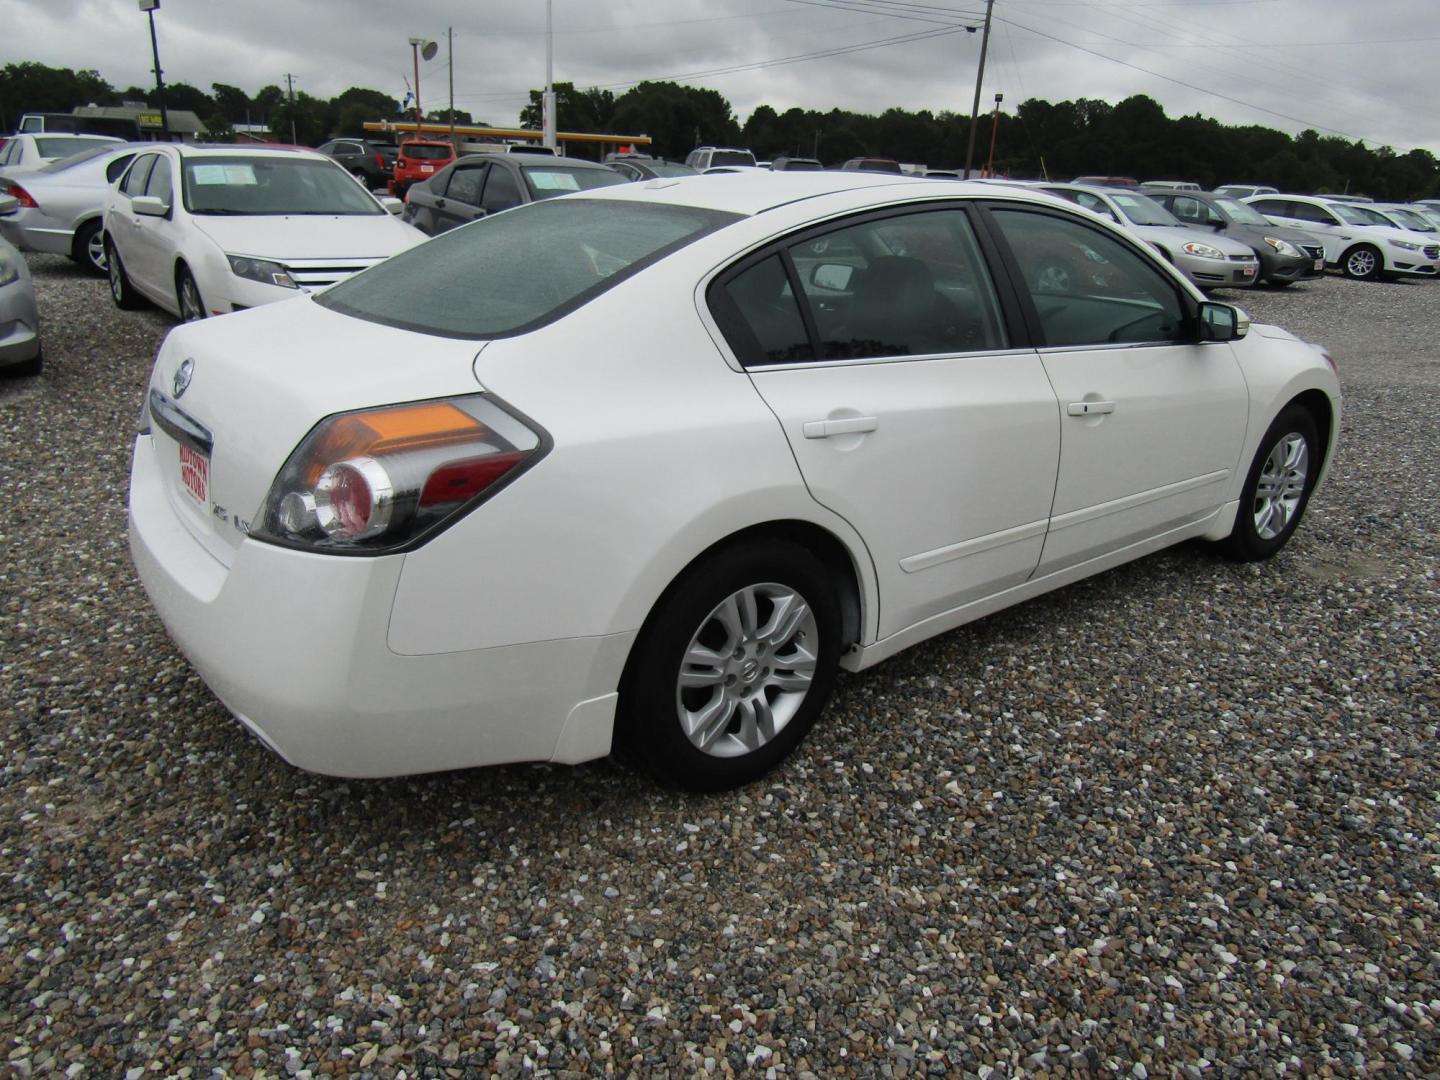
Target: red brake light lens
383 480
24 197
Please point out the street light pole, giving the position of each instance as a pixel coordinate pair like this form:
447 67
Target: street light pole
415 44
979 79
994 131
149 6
547 104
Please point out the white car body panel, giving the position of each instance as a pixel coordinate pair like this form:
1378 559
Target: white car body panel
504 636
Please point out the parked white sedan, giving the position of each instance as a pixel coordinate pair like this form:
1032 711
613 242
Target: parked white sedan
205 231
459 510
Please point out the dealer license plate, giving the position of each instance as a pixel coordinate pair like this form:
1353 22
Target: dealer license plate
427 168
1319 264
195 475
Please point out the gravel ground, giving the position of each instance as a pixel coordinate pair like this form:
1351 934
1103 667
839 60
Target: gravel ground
1180 819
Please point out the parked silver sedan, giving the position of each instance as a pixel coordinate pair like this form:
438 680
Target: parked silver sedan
19 320
59 206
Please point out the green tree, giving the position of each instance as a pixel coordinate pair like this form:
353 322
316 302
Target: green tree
678 118
27 86
231 103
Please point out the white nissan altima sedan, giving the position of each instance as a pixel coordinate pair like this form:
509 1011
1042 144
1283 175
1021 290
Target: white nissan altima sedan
645 465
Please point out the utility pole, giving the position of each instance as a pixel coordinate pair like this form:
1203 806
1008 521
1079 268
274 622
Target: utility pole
450 44
149 6
290 89
547 107
979 80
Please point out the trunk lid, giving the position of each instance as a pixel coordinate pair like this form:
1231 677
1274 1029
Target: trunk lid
255 382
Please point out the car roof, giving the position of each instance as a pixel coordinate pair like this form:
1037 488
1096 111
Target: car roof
754 192
535 161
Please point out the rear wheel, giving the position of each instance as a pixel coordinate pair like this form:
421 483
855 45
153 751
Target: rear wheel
121 291
89 248
733 667
1363 263
1277 488
192 307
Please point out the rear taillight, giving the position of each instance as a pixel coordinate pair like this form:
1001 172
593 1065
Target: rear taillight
24 197
383 480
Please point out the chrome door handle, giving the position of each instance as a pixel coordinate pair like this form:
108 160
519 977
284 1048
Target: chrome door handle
850 425
1090 408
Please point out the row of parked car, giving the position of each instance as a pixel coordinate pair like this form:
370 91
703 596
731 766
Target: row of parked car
207 230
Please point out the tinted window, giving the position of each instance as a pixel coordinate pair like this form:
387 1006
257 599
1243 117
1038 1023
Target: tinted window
1142 209
60 148
1089 288
764 324
513 272
421 152
137 176
905 285
1307 212
159 184
116 167
1191 210
466 183
501 191
732 157
546 181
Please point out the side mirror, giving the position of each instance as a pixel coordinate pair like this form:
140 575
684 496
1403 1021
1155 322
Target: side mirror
391 204
149 205
833 276
1222 322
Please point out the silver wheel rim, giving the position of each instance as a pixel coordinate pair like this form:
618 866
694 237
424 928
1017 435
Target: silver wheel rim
190 307
1361 263
747 670
117 287
1053 279
1281 485
95 250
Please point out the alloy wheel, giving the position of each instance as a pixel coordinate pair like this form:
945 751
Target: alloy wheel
1361 263
191 307
95 251
1281 485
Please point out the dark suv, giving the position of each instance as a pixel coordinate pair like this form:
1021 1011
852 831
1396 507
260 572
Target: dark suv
366 160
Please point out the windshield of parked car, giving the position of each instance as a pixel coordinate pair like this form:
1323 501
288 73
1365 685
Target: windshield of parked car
731 157
1142 210
1408 219
64 148
546 180
515 271
1350 215
1241 213
271 186
670 168
426 151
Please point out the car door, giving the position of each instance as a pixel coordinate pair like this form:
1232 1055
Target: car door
156 238
910 408
123 223
461 202
1151 420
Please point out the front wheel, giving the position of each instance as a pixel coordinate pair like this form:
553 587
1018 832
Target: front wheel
121 291
733 667
1277 488
1363 263
192 307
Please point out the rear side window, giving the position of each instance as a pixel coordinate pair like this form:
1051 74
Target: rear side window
514 272
1089 288
763 320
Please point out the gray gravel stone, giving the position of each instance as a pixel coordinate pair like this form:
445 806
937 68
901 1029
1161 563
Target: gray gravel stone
1181 819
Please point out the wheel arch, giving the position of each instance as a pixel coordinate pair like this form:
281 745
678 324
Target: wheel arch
1322 409
81 225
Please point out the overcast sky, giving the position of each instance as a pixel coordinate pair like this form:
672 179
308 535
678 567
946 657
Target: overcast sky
1360 69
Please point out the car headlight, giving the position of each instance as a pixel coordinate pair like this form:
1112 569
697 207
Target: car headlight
1404 245
1283 247
1202 251
262 270
8 270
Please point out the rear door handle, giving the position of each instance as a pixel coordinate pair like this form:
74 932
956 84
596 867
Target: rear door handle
850 425
1090 408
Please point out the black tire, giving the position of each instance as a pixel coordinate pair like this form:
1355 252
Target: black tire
1363 262
89 248
187 295
121 291
26 368
652 700
1280 283
1248 541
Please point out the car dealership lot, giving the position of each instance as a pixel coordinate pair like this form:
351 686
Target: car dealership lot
1182 813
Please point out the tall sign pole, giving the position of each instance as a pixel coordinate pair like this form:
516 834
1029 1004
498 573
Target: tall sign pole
450 48
547 105
979 79
415 44
149 6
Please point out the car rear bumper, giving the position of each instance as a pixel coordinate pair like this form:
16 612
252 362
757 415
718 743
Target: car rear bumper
294 644
29 235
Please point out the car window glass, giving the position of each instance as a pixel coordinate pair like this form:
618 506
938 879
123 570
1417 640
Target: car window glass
7 153
501 191
159 184
1089 288
1309 212
139 173
904 285
466 183
764 324
116 167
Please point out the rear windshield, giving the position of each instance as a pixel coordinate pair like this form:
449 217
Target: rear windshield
60 148
77 159
669 168
732 157
545 181
421 152
272 185
515 271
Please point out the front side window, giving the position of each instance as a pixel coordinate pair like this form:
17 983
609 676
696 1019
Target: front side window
271 186
139 173
466 184
1089 288
1310 212
514 272
501 191
159 185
